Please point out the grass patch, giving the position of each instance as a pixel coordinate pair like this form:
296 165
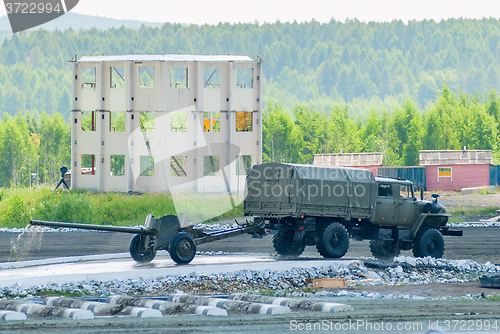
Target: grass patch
50 293
493 298
20 205
463 210
487 191
208 207
269 293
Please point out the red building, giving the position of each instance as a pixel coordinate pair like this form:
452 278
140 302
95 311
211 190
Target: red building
454 170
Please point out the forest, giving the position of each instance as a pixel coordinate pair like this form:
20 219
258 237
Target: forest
353 86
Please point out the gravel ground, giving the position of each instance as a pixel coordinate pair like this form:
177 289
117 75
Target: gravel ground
455 199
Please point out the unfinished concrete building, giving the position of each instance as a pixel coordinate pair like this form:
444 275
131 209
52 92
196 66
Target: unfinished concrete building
165 123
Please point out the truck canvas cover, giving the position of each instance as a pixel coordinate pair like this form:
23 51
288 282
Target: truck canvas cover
280 190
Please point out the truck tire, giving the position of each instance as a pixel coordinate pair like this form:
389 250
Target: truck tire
182 248
333 240
138 251
384 249
284 245
428 242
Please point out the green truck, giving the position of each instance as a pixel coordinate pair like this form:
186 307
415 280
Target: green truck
324 206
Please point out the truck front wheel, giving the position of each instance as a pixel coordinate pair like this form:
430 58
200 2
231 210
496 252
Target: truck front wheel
284 245
428 242
333 241
384 249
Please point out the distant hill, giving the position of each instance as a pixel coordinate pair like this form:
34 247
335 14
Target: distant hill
375 65
79 21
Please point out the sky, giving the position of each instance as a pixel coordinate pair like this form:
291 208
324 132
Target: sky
234 11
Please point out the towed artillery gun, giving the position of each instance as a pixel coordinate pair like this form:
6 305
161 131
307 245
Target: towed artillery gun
171 233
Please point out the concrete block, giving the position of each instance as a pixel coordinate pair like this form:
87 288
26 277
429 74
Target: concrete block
477 190
12 316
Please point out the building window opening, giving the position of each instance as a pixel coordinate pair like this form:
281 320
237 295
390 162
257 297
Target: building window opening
243 164
384 190
117 77
244 121
244 77
88 164
211 165
178 166
179 77
117 121
88 121
211 121
88 77
445 172
117 165
211 77
147 76
147 121
178 121
147 166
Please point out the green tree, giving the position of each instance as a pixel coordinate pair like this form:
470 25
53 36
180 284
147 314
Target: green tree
440 124
344 134
55 149
13 145
404 136
312 128
375 134
282 140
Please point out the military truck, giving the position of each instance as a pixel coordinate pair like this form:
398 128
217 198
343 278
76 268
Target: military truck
324 206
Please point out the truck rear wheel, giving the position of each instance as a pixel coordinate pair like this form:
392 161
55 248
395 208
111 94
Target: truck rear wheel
428 242
384 249
333 240
138 250
284 245
182 248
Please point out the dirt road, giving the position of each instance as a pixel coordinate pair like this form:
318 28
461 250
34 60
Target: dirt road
478 244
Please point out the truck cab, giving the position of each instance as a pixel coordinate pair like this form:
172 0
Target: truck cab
395 203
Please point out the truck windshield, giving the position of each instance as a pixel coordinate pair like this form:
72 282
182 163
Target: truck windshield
406 191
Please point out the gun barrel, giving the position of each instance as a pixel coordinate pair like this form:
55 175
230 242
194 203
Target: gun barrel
133 230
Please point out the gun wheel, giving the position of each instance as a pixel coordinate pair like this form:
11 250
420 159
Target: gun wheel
138 250
384 249
182 248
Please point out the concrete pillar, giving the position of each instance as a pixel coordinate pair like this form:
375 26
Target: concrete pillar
129 122
258 127
100 126
75 113
198 136
231 125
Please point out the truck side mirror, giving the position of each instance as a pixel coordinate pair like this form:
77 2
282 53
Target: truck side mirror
421 193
